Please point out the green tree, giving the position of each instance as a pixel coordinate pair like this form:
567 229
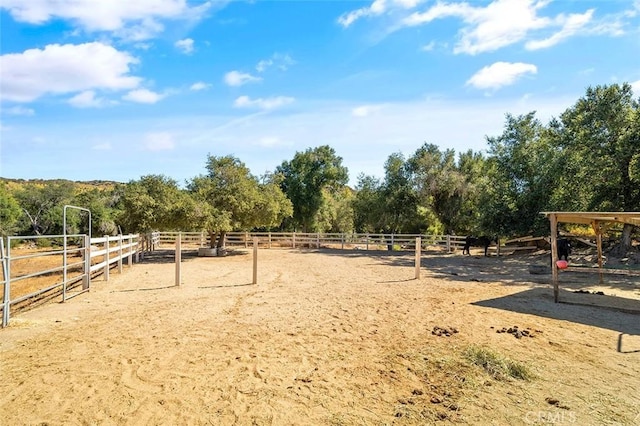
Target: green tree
43 205
231 198
367 204
336 211
523 175
102 204
306 176
10 212
398 198
439 183
600 139
154 202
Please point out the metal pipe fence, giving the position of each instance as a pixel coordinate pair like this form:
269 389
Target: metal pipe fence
41 268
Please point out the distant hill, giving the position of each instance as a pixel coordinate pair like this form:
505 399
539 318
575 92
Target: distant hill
15 184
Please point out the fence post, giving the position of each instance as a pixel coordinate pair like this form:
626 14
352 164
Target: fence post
7 282
246 239
294 240
86 281
120 253
418 256
106 258
130 250
342 240
317 240
269 239
366 238
178 259
255 260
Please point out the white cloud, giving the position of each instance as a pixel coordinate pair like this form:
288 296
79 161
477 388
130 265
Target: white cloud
499 24
262 103
87 99
635 86
278 60
143 96
160 141
200 85
18 110
377 8
237 78
68 68
500 74
185 45
365 110
429 46
135 20
571 25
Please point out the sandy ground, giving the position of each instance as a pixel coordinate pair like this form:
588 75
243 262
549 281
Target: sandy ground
326 338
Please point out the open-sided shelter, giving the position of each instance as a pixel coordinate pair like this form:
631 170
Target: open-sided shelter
596 220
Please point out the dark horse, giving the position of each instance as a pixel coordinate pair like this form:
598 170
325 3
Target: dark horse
482 241
564 248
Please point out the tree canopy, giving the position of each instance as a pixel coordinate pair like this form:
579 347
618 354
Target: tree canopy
586 159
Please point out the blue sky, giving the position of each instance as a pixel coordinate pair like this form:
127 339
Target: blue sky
118 89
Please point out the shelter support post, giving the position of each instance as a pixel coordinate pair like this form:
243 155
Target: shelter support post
598 230
553 219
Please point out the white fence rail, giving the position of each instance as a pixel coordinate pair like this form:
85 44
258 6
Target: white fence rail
36 269
449 243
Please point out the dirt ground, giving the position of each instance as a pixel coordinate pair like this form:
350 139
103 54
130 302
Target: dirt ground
326 337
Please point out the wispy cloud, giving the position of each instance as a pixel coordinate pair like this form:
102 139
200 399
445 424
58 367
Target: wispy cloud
262 103
143 96
277 60
106 146
237 78
490 26
185 45
87 99
18 110
200 85
377 8
499 24
158 141
500 74
571 25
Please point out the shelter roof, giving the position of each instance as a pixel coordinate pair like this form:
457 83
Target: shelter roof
632 218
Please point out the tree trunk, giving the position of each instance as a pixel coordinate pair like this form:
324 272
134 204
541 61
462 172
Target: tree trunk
212 239
221 239
621 249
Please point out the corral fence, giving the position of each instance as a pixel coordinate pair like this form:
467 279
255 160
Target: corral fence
40 269
347 241
343 241
43 268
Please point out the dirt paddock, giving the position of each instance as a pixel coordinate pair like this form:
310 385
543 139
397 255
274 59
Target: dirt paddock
327 338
